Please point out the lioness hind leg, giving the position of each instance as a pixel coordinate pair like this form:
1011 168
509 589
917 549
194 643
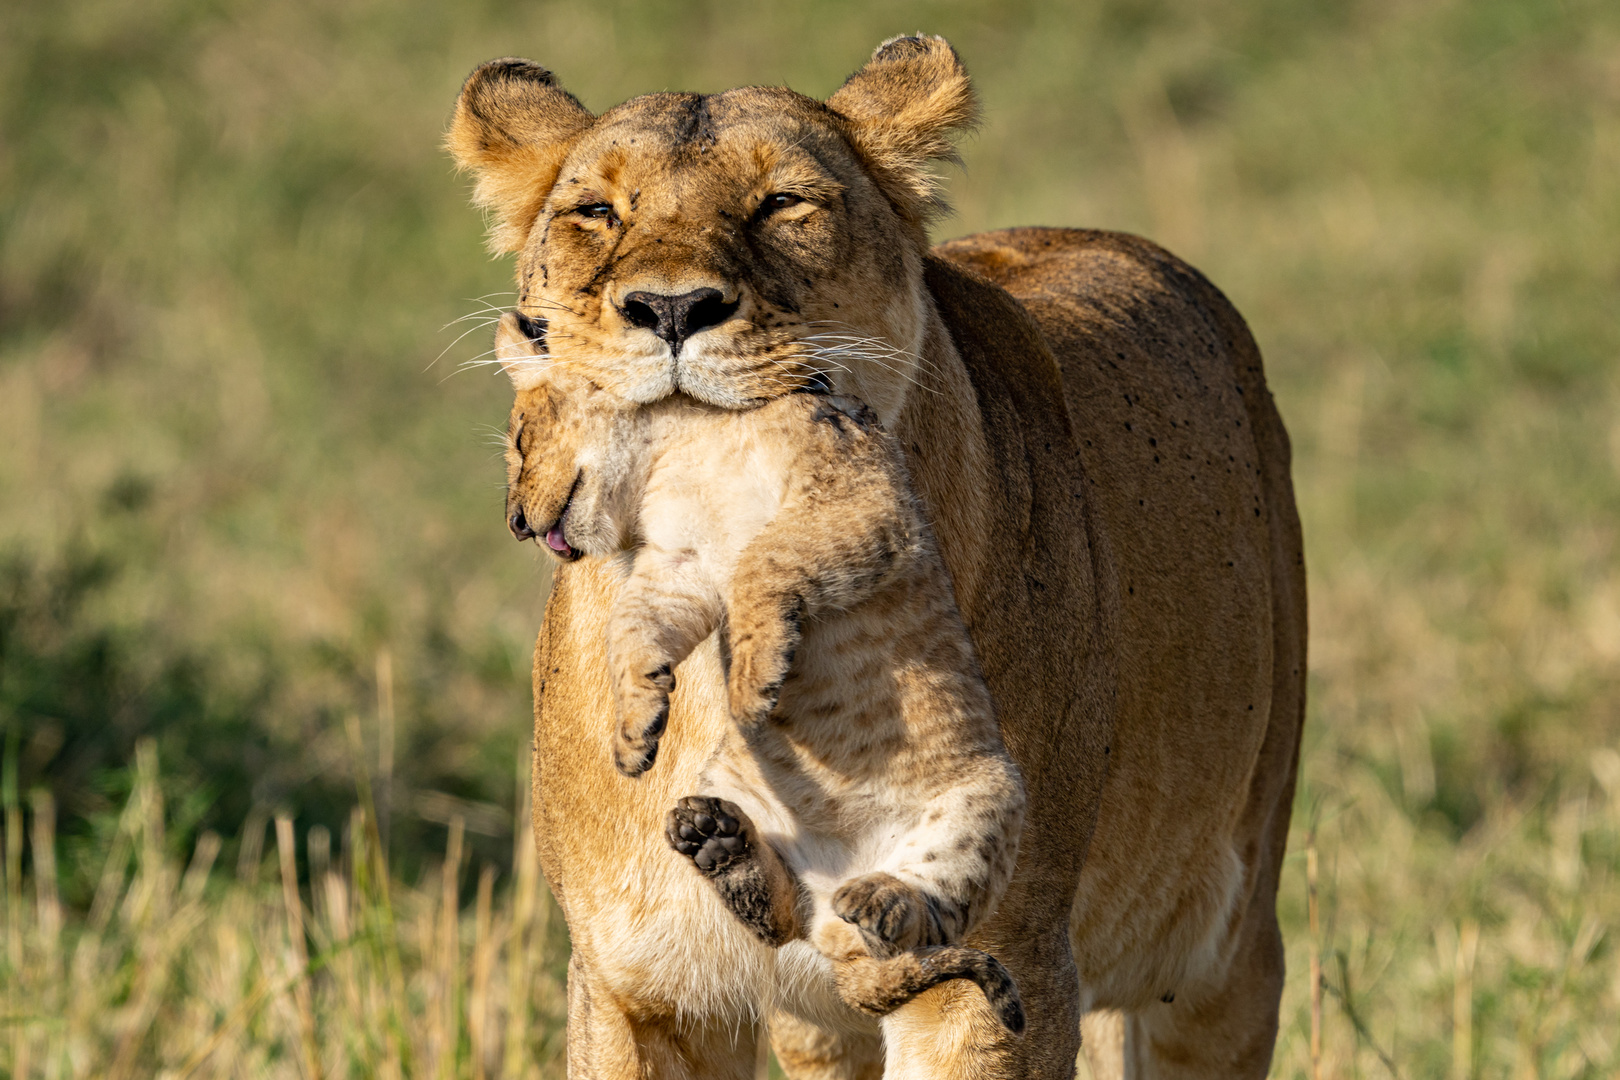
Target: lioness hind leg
747 872
1226 1028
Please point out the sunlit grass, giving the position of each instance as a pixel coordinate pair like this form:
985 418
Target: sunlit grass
182 969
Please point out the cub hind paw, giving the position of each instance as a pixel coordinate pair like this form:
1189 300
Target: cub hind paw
891 915
712 832
748 875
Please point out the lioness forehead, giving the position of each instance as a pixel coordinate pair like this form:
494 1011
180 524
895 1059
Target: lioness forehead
675 121
757 128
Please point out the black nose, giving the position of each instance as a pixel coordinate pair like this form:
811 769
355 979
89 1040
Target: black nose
520 526
676 318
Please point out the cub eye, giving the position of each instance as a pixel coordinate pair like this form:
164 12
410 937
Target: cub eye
780 200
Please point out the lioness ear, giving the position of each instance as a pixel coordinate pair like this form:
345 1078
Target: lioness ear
513 127
519 351
903 106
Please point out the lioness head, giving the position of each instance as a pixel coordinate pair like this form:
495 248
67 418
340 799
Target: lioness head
732 247
574 452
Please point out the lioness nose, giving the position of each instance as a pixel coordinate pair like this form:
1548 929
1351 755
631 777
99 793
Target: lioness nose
520 526
676 318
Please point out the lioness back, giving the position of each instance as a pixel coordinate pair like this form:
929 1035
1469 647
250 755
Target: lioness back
1189 460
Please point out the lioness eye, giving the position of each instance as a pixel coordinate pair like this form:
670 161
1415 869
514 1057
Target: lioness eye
596 210
781 200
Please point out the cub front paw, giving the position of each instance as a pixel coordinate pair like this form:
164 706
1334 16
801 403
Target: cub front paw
713 833
760 659
643 715
752 701
891 915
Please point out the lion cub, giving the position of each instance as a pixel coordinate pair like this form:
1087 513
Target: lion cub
883 812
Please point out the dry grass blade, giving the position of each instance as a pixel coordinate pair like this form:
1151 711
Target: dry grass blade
298 977
483 955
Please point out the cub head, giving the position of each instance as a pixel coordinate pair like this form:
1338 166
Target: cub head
573 452
732 247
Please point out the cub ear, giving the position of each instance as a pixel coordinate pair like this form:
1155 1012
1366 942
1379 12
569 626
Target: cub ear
902 108
520 350
512 128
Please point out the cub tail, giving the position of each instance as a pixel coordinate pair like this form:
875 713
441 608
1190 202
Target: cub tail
878 987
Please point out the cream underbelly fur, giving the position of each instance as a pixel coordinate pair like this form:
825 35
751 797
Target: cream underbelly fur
689 951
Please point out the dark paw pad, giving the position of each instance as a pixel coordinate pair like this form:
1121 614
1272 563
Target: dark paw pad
711 832
887 909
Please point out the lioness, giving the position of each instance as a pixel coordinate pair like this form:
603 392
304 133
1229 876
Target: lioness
1087 424
863 801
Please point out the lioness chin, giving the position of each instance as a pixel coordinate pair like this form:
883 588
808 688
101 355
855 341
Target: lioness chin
1087 425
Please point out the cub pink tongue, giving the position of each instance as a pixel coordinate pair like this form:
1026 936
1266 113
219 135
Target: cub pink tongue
555 541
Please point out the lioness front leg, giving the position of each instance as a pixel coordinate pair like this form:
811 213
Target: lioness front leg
747 872
664 610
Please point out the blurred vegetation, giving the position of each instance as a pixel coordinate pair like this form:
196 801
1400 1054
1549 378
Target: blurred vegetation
244 498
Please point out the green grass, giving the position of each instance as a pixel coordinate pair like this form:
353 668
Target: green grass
240 501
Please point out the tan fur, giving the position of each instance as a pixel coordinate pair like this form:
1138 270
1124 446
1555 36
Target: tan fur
1086 422
866 752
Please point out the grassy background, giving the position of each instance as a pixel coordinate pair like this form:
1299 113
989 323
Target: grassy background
241 500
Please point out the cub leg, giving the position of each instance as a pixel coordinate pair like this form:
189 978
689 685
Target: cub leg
879 985
664 610
764 894
747 872
948 871
800 566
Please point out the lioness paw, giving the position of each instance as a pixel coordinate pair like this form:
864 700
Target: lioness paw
713 833
891 915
